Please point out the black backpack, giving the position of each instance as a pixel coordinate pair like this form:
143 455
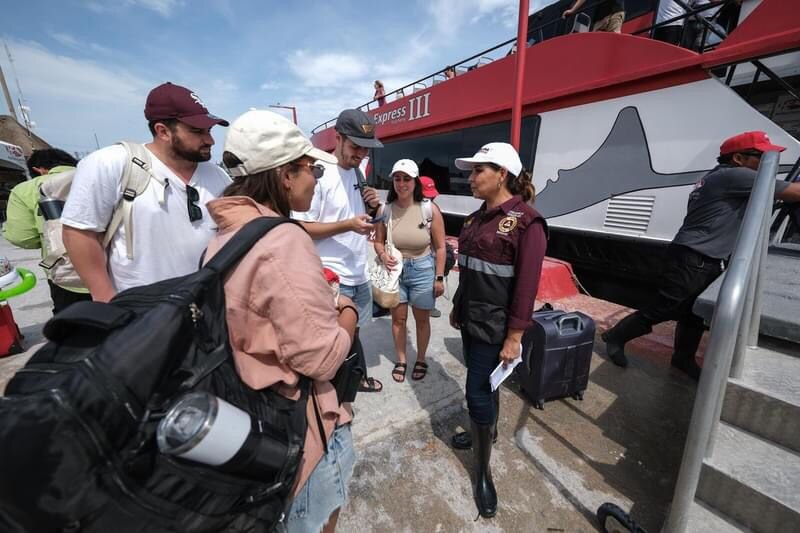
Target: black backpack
77 438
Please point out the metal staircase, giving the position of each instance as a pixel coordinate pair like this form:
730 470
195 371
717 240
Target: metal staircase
741 463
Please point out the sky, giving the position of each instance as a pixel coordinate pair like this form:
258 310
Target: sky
85 67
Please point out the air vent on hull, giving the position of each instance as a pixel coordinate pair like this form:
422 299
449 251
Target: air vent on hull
629 213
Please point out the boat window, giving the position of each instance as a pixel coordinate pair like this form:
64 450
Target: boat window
435 154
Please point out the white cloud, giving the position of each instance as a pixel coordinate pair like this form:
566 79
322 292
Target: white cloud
450 16
269 86
164 8
71 42
88 97
327 69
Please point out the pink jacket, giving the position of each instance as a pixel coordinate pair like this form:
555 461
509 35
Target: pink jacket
282 319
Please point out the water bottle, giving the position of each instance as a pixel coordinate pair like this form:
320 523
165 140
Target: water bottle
203 428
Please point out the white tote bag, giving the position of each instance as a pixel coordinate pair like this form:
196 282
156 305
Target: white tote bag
386 283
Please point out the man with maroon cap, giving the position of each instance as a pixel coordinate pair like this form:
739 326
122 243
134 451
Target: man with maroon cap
706 238
170 226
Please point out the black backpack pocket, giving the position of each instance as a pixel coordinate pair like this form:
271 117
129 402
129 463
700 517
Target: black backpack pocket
64 446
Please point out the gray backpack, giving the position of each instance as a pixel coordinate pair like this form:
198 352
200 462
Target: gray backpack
53 194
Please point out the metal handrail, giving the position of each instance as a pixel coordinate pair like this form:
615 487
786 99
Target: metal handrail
735 312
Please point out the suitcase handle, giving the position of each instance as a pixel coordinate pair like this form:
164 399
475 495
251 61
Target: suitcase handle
570 319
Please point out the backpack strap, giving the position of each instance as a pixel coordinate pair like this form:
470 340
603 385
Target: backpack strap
427 212
242 241
135 178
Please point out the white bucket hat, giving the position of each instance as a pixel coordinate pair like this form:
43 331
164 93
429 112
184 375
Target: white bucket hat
263 140
405 166
500 154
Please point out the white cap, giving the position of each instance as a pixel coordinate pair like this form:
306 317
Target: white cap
501 154
263 140
406 166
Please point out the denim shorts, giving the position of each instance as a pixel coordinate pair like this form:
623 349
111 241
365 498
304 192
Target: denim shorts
362 297
416 282
326 488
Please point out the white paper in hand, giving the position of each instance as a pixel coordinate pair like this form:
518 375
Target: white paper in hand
499 374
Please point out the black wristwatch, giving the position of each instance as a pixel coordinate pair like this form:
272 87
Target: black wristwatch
439 278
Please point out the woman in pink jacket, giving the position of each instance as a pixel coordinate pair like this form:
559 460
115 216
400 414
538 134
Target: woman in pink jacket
281 314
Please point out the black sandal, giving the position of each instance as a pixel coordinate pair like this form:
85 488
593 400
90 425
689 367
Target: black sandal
399 372
420 370
370 385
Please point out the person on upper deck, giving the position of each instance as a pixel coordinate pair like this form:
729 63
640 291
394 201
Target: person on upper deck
671 32
608 16
380 93
500 253
694 258
415 227
282 321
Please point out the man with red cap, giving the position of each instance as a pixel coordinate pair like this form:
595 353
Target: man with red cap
169 226
429 191
694 258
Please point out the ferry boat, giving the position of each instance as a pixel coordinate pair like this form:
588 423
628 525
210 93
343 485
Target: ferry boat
617 128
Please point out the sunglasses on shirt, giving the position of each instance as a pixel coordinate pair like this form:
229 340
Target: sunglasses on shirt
192 197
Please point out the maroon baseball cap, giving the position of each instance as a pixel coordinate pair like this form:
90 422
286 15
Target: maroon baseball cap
428 187
749 140
173 101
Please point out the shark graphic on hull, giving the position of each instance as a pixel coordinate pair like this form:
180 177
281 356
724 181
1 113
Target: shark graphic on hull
621 165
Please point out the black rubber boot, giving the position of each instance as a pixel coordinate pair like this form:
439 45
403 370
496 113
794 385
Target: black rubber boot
463 439
630 327
687 339
485 494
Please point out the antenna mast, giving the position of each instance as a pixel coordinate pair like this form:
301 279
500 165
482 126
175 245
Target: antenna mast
23 109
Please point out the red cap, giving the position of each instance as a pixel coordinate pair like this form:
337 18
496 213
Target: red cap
173 101
749 140
428 187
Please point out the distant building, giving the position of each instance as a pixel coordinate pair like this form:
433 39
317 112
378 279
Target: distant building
13 132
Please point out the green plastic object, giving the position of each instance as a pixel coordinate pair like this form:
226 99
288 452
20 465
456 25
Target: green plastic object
27 283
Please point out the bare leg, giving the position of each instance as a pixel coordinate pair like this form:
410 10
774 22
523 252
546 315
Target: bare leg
330 526
423 319
399 317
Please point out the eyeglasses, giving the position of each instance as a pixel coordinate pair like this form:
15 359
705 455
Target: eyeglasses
316 169
192 197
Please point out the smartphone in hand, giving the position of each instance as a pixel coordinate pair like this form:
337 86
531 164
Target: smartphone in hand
377 219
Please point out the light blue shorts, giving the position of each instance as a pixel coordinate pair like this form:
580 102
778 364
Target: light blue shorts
416 282
326 488
362 297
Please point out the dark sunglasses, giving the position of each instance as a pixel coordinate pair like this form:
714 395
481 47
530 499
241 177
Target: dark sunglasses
316 169
192 197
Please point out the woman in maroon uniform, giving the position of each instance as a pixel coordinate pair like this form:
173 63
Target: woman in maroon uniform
500 254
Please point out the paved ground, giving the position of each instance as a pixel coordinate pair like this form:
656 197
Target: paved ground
552 468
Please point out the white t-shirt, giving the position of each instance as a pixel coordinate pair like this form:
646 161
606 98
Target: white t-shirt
336 198
668 9
165 243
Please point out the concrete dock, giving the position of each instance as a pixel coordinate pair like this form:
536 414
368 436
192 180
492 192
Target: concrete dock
552 468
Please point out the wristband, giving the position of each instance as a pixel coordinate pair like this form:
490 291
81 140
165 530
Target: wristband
349 307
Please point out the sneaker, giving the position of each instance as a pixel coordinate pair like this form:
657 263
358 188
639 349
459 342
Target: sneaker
435 313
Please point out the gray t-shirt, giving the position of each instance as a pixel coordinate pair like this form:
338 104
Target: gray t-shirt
716 208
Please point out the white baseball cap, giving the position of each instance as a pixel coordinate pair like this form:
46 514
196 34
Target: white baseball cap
263 140
406 166
500 154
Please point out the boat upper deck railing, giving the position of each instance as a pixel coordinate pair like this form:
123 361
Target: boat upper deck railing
535 35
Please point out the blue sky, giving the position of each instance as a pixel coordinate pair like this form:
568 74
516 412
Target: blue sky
86 66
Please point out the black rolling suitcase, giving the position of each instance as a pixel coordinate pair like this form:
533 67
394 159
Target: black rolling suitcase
556 355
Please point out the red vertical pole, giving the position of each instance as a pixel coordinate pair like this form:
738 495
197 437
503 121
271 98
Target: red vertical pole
519 76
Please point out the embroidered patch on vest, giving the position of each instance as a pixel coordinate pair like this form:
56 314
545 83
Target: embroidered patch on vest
507 224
